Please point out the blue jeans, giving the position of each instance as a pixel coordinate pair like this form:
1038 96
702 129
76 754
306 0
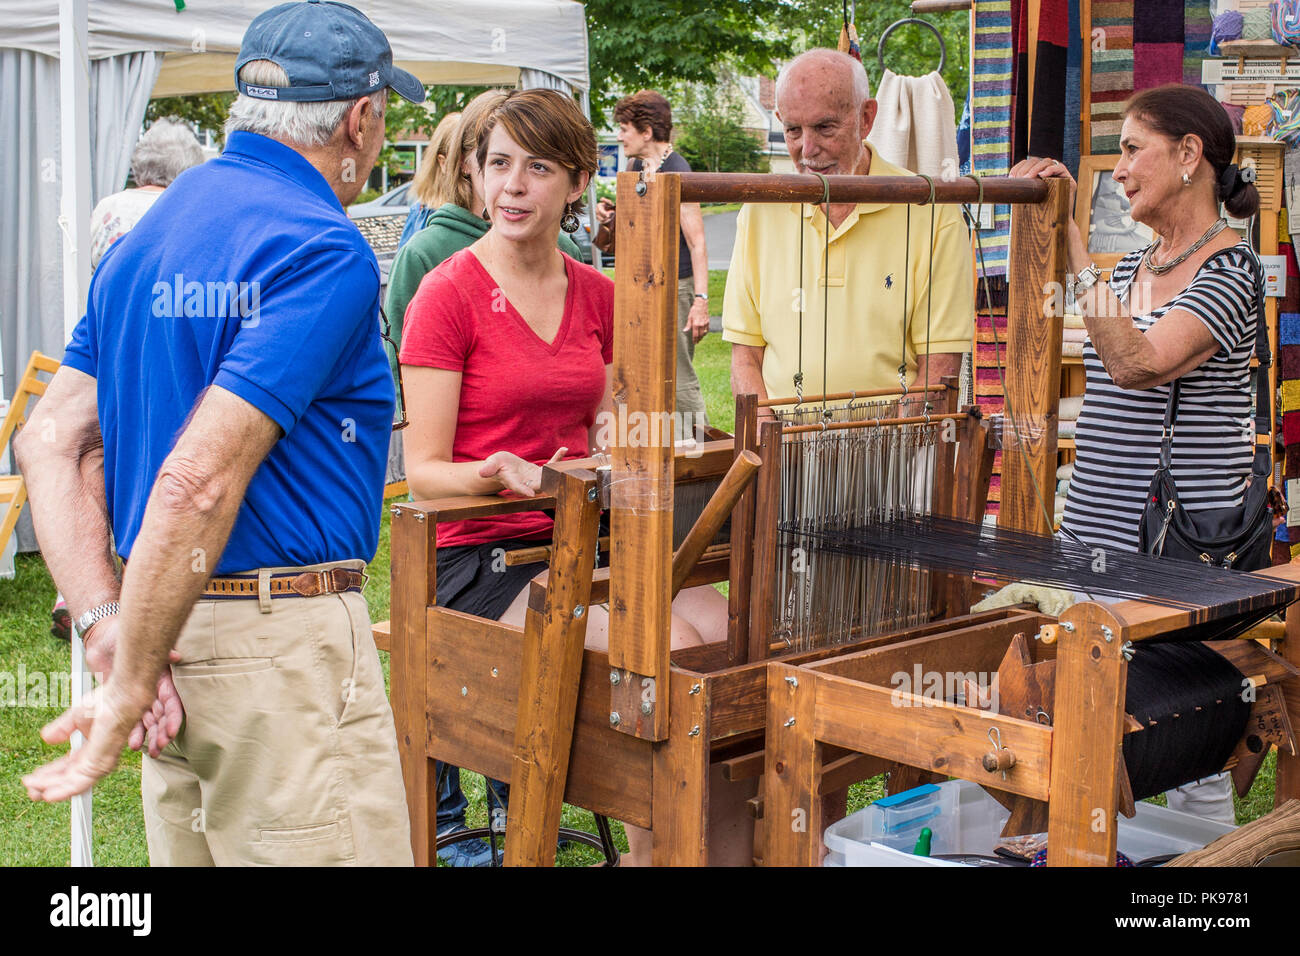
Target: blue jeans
452 801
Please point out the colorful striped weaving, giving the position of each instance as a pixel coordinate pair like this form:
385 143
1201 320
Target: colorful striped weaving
991 117
1112 71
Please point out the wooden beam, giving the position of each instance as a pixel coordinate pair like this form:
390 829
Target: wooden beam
1035 299
641 487
927 734
550 675
1088 724
413 590
767 509
680 811
792 806
742 539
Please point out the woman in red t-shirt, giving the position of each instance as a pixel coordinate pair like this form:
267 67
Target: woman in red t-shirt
506 362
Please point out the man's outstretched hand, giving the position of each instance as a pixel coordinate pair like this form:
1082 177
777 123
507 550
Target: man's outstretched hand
105 717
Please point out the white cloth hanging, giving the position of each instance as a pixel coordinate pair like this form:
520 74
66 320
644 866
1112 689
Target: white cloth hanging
916 127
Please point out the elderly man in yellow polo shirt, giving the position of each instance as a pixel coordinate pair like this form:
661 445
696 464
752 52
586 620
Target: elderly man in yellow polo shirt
888 285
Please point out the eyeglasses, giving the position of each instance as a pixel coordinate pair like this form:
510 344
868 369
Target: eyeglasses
386 333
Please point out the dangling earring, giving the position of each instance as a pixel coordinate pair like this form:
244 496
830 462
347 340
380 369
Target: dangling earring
1187 180
569 221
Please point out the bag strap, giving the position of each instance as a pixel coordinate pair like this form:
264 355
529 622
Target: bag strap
1263 399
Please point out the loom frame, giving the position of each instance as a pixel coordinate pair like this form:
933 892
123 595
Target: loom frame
532 704
846 704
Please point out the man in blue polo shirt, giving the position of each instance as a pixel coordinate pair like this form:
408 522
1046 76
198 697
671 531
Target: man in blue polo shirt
223 415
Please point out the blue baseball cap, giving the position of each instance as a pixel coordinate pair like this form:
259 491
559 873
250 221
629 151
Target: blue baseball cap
330 51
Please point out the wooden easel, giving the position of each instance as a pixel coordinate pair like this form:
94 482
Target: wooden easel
632 733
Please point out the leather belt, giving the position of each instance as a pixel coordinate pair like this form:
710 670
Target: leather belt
303 584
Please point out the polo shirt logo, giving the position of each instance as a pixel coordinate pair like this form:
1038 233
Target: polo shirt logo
889 281
263 92
208 300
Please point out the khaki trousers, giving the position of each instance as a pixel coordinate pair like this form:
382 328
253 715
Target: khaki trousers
690 400
288 754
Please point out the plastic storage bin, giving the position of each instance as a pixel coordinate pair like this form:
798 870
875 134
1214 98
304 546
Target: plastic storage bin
970 821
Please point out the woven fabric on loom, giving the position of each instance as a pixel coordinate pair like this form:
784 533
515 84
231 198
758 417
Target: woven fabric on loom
1196 39
991 117
1157 43
1112 72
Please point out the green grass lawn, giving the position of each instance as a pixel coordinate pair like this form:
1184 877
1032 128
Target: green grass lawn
37 834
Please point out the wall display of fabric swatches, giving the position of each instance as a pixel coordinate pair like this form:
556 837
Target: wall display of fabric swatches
1158 37
991 118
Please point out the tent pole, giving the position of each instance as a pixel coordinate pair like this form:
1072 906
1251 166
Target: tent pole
74 220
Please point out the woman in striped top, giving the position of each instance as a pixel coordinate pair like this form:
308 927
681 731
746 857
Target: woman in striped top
1184 307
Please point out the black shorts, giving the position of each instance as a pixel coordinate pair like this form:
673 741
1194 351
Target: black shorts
474 578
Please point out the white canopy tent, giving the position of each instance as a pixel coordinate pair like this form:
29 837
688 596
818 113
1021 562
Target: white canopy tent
77 78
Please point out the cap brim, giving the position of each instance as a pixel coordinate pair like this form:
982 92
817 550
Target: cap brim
407 86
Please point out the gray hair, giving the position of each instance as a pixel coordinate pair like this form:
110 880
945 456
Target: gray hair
303 124
857 72
166 150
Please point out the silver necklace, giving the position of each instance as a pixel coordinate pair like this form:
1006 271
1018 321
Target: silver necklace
1159 270
664 158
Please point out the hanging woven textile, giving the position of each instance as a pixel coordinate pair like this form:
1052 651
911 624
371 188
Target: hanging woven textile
991 118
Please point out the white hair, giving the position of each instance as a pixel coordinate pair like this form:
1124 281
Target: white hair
166 150
303 124
857 72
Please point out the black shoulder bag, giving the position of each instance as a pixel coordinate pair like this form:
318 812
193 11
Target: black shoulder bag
1239 538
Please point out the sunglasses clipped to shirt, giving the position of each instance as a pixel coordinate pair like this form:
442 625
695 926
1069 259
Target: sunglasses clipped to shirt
387 334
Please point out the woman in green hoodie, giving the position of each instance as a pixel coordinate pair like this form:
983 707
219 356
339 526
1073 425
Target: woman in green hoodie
456 224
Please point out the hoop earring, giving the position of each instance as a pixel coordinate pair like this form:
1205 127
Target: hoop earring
569 221
1187 180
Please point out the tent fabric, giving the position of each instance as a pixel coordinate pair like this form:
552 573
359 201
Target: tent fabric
31 240
492 39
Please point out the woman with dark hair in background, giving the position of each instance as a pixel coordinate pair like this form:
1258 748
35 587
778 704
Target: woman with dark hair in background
1183 307
645 126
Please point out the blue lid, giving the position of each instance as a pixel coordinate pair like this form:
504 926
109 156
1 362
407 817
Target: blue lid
916 793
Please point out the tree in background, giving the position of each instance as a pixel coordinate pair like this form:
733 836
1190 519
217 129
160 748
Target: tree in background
710 133
635 44
639 44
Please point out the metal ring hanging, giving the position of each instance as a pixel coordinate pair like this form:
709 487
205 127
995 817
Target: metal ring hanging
880 48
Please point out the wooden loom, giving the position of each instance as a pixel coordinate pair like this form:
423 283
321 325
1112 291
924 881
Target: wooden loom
632 733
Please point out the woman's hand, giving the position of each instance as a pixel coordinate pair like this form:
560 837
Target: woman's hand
517 475
1032 167
697 320
604 212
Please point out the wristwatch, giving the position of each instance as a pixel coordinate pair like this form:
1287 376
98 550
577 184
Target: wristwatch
702 295
1085 280
94 616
